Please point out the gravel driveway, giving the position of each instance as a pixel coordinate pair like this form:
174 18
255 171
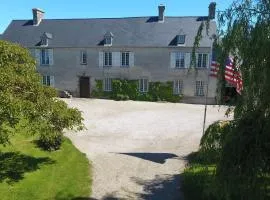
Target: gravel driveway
138 149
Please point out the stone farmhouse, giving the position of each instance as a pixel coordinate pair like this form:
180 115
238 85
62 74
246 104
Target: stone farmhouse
72 53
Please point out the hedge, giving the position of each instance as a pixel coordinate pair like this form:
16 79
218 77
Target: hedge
129 90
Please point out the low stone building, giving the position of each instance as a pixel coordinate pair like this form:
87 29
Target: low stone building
72 53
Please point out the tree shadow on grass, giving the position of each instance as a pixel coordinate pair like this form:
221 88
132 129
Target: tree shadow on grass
71 197
13 165
104 198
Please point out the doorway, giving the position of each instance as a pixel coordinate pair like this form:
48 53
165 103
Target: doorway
84 87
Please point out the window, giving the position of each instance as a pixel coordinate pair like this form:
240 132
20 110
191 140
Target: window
181 39
107 59
202 60
107 84
199 88
45 59
108 37
178 87
143 85
44 41
83 57
108 41
179 60
125 59
48 80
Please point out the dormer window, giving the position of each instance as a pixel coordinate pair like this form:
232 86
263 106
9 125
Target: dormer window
181 39
108 41
45 39
108 38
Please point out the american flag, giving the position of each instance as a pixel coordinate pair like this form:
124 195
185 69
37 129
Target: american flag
232 73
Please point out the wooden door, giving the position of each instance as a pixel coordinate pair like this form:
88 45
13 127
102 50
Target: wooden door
84 87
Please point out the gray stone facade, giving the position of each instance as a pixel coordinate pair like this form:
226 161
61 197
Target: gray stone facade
152 63
152 45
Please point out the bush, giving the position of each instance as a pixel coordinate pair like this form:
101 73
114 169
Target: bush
145 97
128 89
244 167
50 141
121 97
199 178
212 141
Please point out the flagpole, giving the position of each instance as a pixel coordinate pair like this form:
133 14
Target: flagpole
207 85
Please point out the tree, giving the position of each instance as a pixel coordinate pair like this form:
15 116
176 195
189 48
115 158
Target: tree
28 106
243 170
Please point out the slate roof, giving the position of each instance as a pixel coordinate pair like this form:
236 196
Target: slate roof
127 32
48 35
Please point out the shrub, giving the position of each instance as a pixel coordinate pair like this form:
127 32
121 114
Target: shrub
212 141
128 89
121 97
145 97
50 141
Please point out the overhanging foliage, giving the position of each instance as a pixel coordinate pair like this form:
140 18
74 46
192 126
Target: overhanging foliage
244 168
25 104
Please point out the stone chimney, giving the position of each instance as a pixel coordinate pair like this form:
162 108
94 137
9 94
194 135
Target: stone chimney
37 16
212 10
161 9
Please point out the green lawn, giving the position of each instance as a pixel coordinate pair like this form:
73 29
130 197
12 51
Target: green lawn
198 179
27 172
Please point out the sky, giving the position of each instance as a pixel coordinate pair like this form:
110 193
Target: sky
62 9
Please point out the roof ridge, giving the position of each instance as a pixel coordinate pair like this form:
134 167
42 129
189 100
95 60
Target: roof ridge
112 18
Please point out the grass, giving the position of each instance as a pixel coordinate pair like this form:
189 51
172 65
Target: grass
199 179
27 172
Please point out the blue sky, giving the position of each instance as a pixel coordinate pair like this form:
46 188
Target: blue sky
58 9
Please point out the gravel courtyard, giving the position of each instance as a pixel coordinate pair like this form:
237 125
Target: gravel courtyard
138 149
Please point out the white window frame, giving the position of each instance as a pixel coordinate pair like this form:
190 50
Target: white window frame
183 37
107 84
46 80
107 63
178 87
83 57
180 60
199 88
125 59
108 41
202 60
46 59
143 85
44 41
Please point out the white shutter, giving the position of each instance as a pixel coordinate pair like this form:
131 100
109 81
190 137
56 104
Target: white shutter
208 62
197 59
52 81
42 80
131 59
50 56
172 60
187 60
101 59
37 56
115 59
